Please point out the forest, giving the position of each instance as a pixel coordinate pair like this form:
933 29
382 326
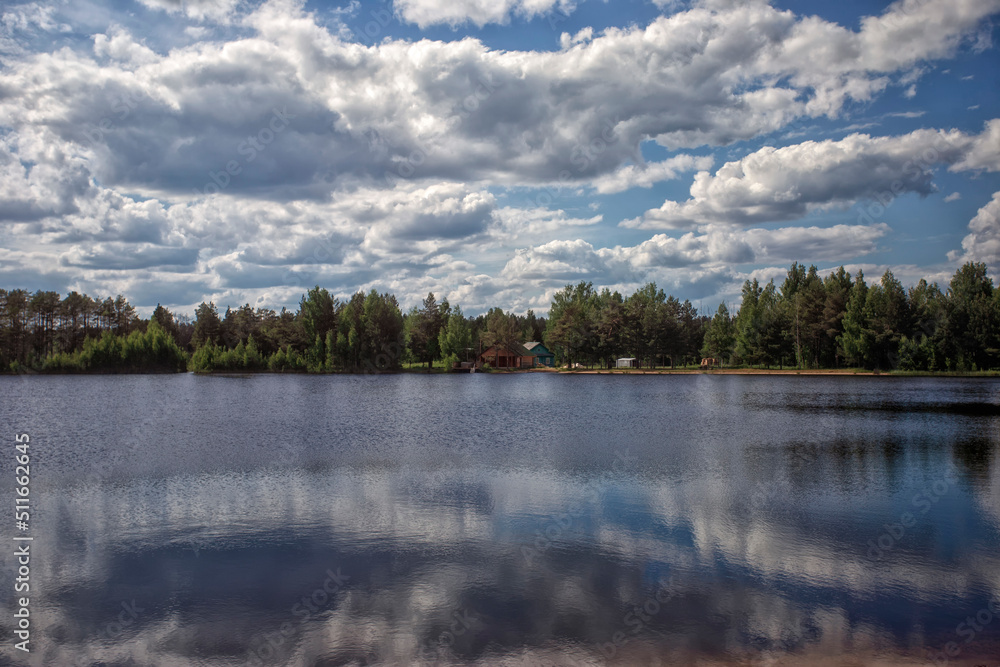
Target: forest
807 322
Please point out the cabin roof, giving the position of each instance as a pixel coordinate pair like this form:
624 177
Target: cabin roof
516 348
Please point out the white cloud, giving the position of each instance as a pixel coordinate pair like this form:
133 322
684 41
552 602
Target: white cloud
426 13
954 196
106 145
644 176
983 242
718 247
559 260
985 152
119 45
217 10
567 40
516 223
708 75
779 184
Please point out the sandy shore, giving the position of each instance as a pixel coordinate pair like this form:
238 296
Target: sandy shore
749 371
714 371
693 371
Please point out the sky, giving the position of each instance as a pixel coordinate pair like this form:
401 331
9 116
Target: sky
491 151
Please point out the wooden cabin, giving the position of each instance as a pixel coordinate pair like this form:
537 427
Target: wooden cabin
510 356
543 357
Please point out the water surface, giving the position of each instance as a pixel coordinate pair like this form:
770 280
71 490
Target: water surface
508 519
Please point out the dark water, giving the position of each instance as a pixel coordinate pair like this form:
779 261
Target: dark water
514 520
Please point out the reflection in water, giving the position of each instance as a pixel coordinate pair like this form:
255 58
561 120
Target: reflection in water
543 520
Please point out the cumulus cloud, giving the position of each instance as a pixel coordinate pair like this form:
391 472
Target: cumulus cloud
276 153
718 247
984 154
216 10
480 12
119 45
983 241
516 223
245 248
121 256
645 176
454 110
32 188
781 184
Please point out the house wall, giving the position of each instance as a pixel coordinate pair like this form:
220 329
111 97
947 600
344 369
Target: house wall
507 359
543 356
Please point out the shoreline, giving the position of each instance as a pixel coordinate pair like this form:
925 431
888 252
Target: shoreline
838 372
833 372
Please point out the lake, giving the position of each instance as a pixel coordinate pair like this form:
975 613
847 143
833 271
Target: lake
537 519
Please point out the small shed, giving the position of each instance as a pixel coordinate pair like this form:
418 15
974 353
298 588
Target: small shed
542 355
627 362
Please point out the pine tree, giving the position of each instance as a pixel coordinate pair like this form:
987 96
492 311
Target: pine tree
455 338
853 341
720 337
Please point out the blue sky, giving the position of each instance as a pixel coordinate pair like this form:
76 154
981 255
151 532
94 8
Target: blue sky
491 151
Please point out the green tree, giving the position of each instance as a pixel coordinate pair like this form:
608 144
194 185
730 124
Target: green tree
922 348
350 330
382 337
422 329
887 319
653 327
318 313
972 321
837 290
501 330
854 339
609 326
455 338
207 325
44 308
163 317
749 325
774 336
569 330
804 300
720 337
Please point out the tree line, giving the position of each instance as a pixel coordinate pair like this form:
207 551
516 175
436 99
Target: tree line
842 321
807 321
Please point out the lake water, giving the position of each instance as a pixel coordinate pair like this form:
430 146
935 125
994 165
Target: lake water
533 519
